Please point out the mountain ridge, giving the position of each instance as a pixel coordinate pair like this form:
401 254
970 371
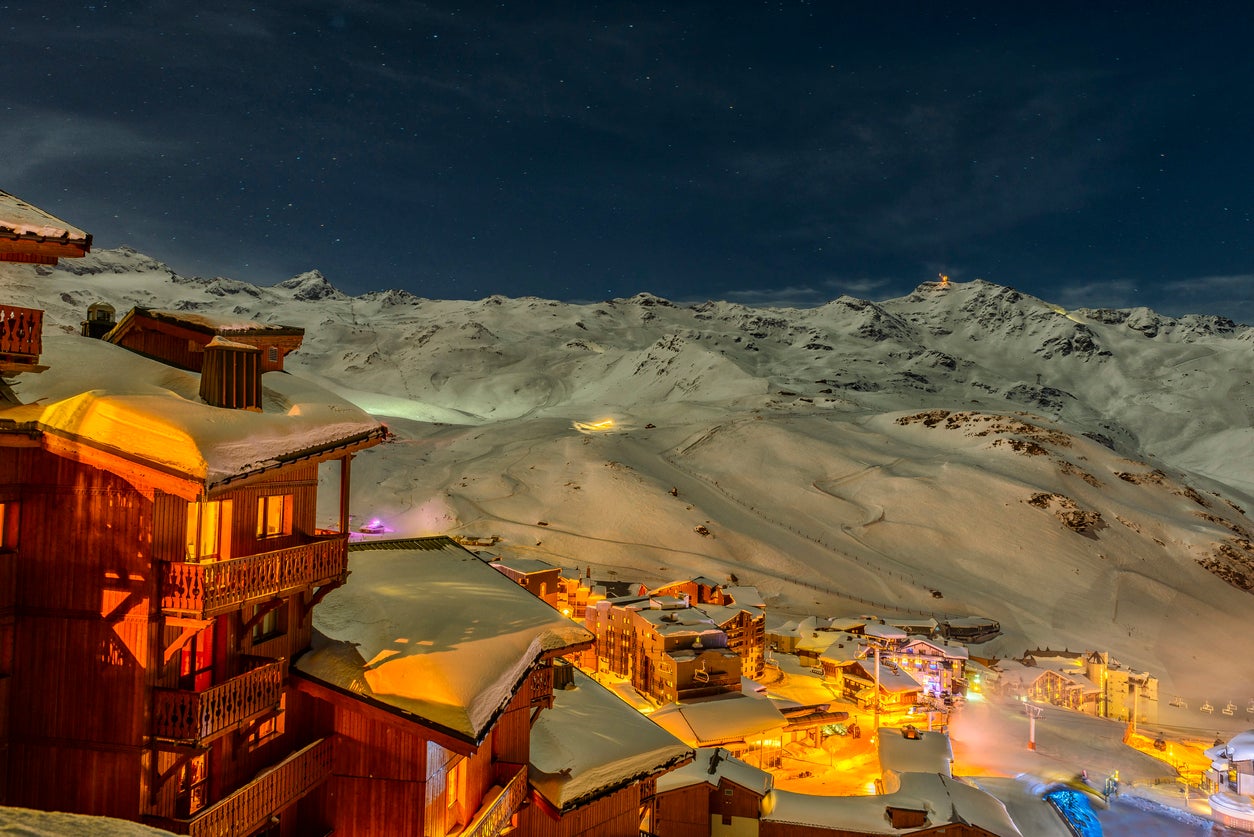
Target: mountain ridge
1074 474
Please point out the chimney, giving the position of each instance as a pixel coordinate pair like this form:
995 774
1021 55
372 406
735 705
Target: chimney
231 375
100 320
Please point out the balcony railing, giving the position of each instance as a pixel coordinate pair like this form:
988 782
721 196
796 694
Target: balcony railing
21 332
497 810
244 811
197 716
214 587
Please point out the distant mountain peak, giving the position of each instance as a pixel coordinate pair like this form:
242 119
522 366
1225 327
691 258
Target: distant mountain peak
310 286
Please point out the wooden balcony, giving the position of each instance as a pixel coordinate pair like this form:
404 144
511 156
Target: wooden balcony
213 587
250 807
21 339
501 803
195 717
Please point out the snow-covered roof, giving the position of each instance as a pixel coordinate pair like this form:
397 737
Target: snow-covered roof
678 621
888 633
591 743
946 648
524 565
426 627
722 614
1239 748
112 399
945 800
745 597
712 764
930 752
892 679
207 323
21 218
845 649
716 721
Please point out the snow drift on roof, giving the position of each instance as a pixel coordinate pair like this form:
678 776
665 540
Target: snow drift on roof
591 743
118 401
17 216
712 764
944 799
428 628
716 721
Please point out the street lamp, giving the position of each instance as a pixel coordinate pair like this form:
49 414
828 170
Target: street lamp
1033 712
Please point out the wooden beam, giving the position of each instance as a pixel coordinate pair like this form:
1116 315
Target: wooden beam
20 246
318 596
190 627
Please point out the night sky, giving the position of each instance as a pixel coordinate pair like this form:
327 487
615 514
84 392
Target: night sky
1093 154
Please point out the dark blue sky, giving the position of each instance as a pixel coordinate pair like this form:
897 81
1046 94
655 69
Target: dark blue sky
1089 153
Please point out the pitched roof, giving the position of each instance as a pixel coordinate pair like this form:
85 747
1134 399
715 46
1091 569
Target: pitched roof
710 765
592 743
427 628
28 233
717 721
99 397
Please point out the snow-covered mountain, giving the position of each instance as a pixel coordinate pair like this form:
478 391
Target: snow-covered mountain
1084 477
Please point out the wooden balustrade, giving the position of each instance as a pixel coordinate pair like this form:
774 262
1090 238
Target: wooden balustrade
213 587
496 812
251 806
196 716
21 331
542 687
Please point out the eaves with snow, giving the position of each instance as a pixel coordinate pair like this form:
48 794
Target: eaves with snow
943 799
19 219
99 396
591 744
426 629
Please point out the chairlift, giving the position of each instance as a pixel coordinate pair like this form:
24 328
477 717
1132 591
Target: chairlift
701 675
1206 707
1180 704
1230 708
1249 707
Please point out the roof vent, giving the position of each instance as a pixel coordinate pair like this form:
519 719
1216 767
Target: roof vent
231 375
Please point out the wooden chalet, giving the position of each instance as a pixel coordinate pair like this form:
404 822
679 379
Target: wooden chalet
187 340
431 669
594 764
29 235
715 789
159 563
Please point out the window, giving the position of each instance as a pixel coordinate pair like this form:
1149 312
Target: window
273 354
8 526
208 530
274 515
455 792
273 623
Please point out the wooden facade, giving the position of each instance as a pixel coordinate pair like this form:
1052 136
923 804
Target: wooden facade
181 340
186 725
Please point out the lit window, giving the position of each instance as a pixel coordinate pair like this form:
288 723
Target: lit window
208 530
8 525
274 515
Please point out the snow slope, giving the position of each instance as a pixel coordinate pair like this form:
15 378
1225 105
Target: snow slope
1084 477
